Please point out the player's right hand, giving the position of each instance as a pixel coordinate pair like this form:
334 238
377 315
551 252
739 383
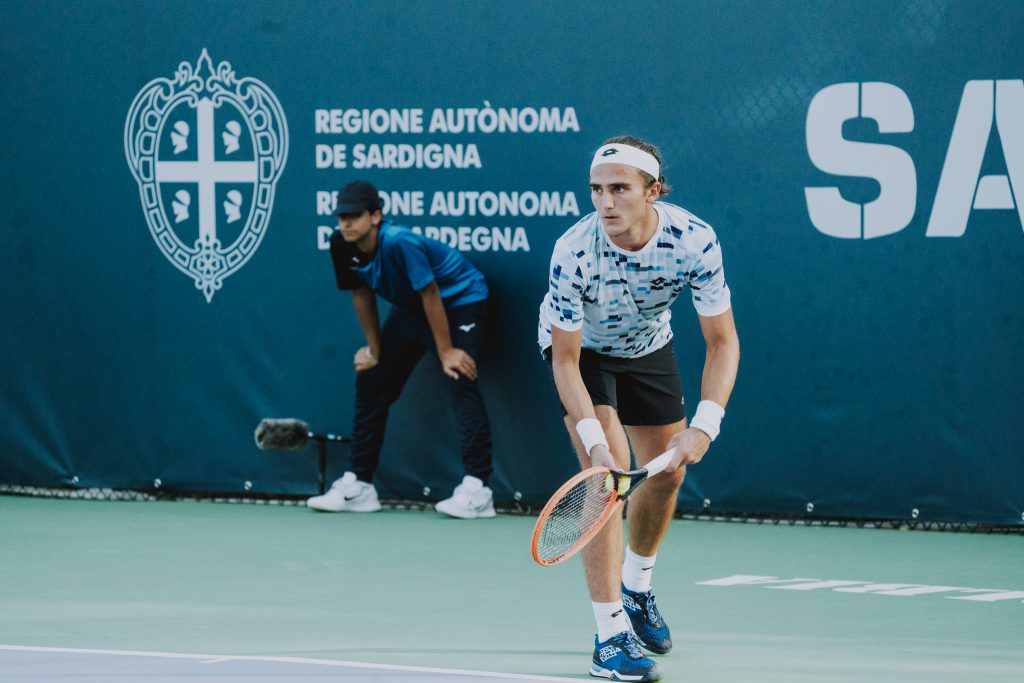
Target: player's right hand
601 456
364 359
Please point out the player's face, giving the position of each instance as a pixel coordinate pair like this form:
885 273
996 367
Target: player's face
620 198
356 227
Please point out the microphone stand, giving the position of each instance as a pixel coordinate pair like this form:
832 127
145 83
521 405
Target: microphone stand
321 451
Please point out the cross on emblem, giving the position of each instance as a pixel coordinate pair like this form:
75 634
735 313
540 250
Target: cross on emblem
206 171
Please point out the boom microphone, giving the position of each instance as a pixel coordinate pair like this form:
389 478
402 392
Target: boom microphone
282 434
289 434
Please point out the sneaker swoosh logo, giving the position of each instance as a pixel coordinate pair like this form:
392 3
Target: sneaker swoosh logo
352 497
467 328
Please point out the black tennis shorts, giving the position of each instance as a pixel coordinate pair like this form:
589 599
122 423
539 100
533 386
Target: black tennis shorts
645 391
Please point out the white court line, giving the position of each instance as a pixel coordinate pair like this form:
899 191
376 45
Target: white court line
289 660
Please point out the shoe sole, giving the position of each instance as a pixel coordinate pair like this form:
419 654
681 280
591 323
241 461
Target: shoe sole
601 672
323 508
460 514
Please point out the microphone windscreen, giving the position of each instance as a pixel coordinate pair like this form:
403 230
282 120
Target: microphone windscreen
284 434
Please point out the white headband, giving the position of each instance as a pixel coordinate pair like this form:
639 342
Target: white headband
628 155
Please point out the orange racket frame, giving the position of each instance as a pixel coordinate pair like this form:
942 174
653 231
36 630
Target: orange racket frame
636 478
614 501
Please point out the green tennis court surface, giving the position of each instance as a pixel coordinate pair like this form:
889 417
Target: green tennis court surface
281 585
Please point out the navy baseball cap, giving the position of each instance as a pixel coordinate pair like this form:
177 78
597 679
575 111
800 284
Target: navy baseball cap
356 197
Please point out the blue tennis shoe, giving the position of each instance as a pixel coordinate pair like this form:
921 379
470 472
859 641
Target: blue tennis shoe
647 623
620 659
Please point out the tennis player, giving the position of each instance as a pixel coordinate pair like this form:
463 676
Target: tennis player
604 328
438 303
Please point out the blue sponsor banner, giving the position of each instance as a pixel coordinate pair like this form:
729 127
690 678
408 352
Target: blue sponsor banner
168 183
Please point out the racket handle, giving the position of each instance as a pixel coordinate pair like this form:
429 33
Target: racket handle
659 464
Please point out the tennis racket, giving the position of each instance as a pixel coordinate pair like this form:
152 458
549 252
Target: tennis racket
580 508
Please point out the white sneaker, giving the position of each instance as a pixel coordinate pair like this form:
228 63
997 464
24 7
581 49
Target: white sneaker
471 500
347 494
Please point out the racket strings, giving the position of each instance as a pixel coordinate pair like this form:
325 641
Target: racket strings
571 519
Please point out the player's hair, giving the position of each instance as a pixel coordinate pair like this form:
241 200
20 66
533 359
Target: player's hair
645 146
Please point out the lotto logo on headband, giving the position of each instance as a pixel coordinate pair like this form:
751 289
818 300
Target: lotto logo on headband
628 155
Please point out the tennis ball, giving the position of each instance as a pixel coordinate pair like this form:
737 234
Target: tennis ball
623 485
609 482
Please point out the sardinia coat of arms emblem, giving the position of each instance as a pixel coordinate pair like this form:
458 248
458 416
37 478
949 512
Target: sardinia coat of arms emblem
206 148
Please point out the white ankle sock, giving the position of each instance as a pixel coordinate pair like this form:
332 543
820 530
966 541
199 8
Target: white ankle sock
610 618
637 570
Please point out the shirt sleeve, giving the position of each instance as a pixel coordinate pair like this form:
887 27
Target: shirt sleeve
564 304
412 255
342 254
711 295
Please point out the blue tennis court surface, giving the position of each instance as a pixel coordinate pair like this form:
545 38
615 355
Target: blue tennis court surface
38 664
189 591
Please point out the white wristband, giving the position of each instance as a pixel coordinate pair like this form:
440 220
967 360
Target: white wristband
591 433
708 418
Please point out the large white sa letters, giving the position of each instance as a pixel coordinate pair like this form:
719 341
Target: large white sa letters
960 187
890 166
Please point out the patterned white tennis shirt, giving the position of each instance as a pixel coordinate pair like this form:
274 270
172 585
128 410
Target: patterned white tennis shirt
621 298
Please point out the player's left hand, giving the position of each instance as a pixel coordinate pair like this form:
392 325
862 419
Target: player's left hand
691 445
364 359
457 362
